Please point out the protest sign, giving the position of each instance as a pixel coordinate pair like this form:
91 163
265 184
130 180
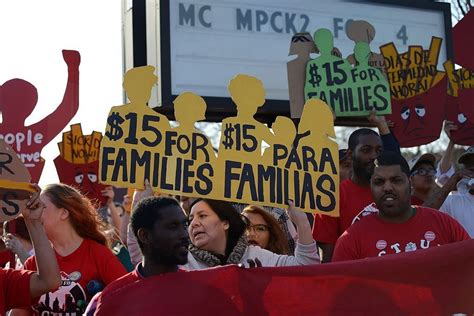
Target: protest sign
302 46
418 91
139 144
15 187
459 79
418 120
461 104
18 99
363 31
413 72
78 162
350 91
464 134
462 41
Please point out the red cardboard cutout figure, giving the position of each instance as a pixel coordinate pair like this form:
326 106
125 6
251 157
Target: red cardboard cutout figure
466 103
464 135
18 99
82 176
462 41
418 120
78 162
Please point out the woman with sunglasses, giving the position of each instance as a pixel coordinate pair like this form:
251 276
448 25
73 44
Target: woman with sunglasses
218 236
264 231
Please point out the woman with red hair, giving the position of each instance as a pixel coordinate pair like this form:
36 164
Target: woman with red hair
76 232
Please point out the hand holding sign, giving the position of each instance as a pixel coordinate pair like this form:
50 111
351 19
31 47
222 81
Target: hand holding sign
15 188
34 207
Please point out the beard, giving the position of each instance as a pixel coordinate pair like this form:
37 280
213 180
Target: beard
362 170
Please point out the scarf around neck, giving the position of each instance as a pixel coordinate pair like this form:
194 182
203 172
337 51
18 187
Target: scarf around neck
212 260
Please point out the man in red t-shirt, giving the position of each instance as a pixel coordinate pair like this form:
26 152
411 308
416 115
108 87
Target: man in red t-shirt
18 288
398 226
354 194
161 229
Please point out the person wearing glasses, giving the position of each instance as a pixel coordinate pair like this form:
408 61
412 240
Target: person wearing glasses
218 236
264 231
422 177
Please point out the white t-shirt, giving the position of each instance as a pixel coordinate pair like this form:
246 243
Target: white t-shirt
461 208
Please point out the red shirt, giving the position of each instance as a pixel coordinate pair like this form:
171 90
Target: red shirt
352 200
416 201
119 291
372 236
6 256
14 289
91 261
128 278
120 283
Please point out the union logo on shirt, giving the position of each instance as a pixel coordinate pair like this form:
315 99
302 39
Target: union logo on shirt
68 299
381 245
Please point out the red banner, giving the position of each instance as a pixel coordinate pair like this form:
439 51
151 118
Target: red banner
436 281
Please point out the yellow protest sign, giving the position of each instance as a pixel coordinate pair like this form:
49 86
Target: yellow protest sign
15 188
77 148
413 72
297 163
461 78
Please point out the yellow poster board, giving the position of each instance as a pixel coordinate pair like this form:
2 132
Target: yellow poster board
461 78
15 187
254 164
413 72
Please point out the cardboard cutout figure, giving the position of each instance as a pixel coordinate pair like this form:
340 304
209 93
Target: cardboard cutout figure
462 41
349 91
461 84
321 134
419 119
18 98
139 145
138 129
418 91
464 135
459 79
78 163
363 31
302 46
15 187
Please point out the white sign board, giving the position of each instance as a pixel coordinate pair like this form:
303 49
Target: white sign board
210 41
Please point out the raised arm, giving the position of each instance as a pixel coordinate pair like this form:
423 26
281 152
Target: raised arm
305 236
48 276
390 143
437 198
55 122
445 167
114 211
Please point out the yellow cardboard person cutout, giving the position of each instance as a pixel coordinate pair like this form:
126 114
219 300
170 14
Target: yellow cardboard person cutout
302 166
15 187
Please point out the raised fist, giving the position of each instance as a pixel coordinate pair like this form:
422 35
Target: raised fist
72 58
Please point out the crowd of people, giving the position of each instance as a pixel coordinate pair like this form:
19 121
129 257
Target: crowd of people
65 256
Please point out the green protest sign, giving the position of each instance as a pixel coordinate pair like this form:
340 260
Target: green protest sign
350 91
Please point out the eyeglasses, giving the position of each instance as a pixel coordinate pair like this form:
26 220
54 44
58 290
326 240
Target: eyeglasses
257 229
424 172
